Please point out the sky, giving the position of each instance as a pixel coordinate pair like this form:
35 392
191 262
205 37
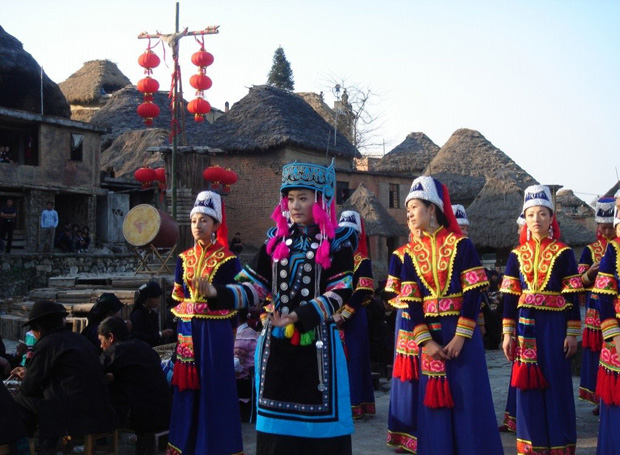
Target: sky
540 79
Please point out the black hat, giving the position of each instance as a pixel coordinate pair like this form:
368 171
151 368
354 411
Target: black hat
150 290
43 309
106 305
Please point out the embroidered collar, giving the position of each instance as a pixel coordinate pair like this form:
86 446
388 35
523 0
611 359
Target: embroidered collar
536 258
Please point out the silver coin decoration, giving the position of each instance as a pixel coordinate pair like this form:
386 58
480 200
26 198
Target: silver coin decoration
310 254
305 292
289 242
303 302
283 273
319 237
306 279
284 261
321 387
284 286
284 299
314 246
285 310
319 344
308 267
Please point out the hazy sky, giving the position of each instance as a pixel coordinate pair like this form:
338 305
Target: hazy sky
540 79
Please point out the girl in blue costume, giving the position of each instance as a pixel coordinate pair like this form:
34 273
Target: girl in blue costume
354 323
205 411
592 341
303 404
540 288
608 385
440 282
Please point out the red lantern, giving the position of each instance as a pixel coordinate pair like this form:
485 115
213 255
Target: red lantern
229 177
215 175
148 85
199 106
145 175
200 82
202 58
160 175
148 111
148 60
148 98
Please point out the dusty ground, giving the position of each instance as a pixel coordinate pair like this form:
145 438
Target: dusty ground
370 432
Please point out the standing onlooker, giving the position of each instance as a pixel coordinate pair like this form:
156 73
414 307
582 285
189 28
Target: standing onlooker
8 214
236 245
144 316
49 221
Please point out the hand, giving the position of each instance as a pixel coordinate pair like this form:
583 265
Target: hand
435 351
338 319
508 345
21 349
454 347
19 372
617 344
277 320
570 345
483 330
167 333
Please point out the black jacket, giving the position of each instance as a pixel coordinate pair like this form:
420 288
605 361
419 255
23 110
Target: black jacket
11 428
139 385
145 325
65 373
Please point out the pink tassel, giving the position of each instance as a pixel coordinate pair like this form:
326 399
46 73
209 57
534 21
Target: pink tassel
322 255
281 252
319 215
272 244
281 223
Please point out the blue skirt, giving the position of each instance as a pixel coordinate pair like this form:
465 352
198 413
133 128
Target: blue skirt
470 427
207 421
358 364
608 434
546 418
589 361
510 413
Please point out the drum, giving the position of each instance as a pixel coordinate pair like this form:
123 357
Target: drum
145 225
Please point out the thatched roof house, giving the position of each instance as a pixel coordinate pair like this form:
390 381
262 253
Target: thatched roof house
269 118
469 158
411 156
20 81
128 151
376 218
573 233
90 87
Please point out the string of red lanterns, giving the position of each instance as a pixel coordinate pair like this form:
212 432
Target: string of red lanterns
201 82
147 176
219 179
148 86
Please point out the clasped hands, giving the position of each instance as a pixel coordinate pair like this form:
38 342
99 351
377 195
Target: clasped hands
448 352
204 287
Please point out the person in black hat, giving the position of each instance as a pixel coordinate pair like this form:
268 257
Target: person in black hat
144 317
63 390
107 305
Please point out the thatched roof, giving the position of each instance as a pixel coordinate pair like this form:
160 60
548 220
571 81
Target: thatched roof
119 114
317 103
268 118
573 233
493 214
94 79
409 157
377 220
567 198
20 81
128 151
469 157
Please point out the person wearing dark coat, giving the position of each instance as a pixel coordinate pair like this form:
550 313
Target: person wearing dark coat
139 390
11 427
63 389
106 305
144 316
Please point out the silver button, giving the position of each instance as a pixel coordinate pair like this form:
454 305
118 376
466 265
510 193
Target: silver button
285 310
306 279
310 254
284 286
303 302
284 299
319 237
305 292
289 242
319 344
321 387
284 261
283 274
308 267
314 246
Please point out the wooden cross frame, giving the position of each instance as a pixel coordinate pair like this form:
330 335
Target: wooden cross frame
149 253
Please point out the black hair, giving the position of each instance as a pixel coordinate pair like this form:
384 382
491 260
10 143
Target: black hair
441 218
113 325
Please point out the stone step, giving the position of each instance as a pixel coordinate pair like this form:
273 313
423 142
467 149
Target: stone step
11 327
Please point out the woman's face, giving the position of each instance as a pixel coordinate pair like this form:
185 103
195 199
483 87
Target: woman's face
300 204
606 230
202 228
618 230
538 221
419 215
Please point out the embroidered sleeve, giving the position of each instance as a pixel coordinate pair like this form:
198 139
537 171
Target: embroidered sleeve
571 280
473 278
585 261
363 288
610 328
421 334
480 320
605 284
508 326
392 286
572 284
177 291
465 327
510 285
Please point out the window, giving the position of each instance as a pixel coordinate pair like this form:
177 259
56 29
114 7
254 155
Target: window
394 197
77 143
342 192
19 143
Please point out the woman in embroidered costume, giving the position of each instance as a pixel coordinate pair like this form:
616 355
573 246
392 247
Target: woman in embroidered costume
592 340
510 413
353 322
205 411
438 278
540 287
606 288
303 403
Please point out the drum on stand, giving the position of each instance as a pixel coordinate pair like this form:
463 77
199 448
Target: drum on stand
153 234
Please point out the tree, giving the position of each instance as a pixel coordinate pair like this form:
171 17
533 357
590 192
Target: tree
281 74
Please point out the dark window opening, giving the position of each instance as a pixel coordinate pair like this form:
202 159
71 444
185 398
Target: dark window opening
77 143
19 144
394 196
342 192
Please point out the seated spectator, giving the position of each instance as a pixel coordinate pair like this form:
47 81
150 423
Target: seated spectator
144 316
9 361
11 427
139 390
244 348
107 305
236 245
65 240
83 241
170 321
63 390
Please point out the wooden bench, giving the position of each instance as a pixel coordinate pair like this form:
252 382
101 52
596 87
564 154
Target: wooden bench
90 447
